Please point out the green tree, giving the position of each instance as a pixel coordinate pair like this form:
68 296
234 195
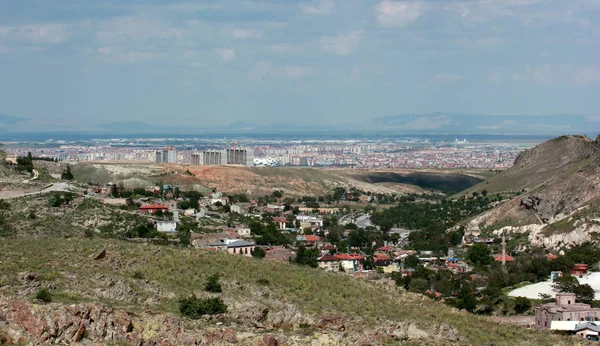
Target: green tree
566 284
418 285
66 174
212 284
480 253
585 293
522 305
194 307
412 261
258 252
307 257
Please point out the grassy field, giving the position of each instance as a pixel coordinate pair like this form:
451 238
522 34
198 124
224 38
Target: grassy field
170 273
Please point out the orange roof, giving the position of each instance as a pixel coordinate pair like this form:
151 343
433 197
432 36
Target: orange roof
551 256
507 258
313 238
381 257
384 248
154 206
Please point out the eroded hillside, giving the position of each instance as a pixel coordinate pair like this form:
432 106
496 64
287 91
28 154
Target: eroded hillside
556 181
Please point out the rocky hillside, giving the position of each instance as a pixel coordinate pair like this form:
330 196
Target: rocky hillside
557 182
128 294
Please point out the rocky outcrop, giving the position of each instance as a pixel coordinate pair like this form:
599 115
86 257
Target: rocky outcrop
93 324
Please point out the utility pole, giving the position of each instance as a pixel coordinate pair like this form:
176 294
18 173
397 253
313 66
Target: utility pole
503 248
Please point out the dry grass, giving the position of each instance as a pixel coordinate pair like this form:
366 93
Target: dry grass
171 273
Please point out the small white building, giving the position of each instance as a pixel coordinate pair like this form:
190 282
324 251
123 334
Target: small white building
166 226
190 212
236 208
243 232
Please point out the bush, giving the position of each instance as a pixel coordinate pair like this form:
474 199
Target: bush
212 284
522 305
138 275
194 307
258 252
44 295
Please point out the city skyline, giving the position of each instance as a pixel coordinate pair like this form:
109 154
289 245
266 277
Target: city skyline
75 66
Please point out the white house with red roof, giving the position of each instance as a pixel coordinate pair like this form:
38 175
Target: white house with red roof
154 208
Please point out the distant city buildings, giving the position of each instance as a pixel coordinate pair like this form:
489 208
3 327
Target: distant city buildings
367 153
223 157
167 155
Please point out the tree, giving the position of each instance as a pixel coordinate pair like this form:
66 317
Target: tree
411 261
212 284
194 307
258 252
522 305
418 285
585 293
307 257
480 253
66 174
566 284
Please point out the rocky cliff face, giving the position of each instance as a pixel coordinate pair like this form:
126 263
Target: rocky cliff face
94 324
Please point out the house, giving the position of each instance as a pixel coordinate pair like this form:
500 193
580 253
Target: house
580 269
166 226
241 247
587 330
310 221
154 208
564 309
240 231
280 221
236 208
507 258
381 260
189 212
311 239
117 201
346 262
272 208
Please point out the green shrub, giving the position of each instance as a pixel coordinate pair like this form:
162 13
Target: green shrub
194 307
263 282
44 295
138 275
212 284
258 252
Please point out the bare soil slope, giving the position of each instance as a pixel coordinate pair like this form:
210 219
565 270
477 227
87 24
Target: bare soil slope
555 180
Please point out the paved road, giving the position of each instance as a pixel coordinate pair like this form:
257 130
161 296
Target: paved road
364 221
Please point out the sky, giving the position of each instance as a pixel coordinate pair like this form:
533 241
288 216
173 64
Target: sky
73 64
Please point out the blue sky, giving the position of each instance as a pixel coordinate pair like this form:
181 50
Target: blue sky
73 64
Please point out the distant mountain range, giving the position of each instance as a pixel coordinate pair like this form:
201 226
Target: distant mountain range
433 123
463 123
10 120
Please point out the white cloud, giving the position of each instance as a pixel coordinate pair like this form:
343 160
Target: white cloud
445 78
320 8
482 42
122 55
136 29
342 44
37 34
227 54
398 13
245 33
560 75
265 69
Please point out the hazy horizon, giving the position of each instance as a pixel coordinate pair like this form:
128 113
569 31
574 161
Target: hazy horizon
349 65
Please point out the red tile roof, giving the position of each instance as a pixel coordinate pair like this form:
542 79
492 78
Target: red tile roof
313 238
507 258
384 248
154 206
551 256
